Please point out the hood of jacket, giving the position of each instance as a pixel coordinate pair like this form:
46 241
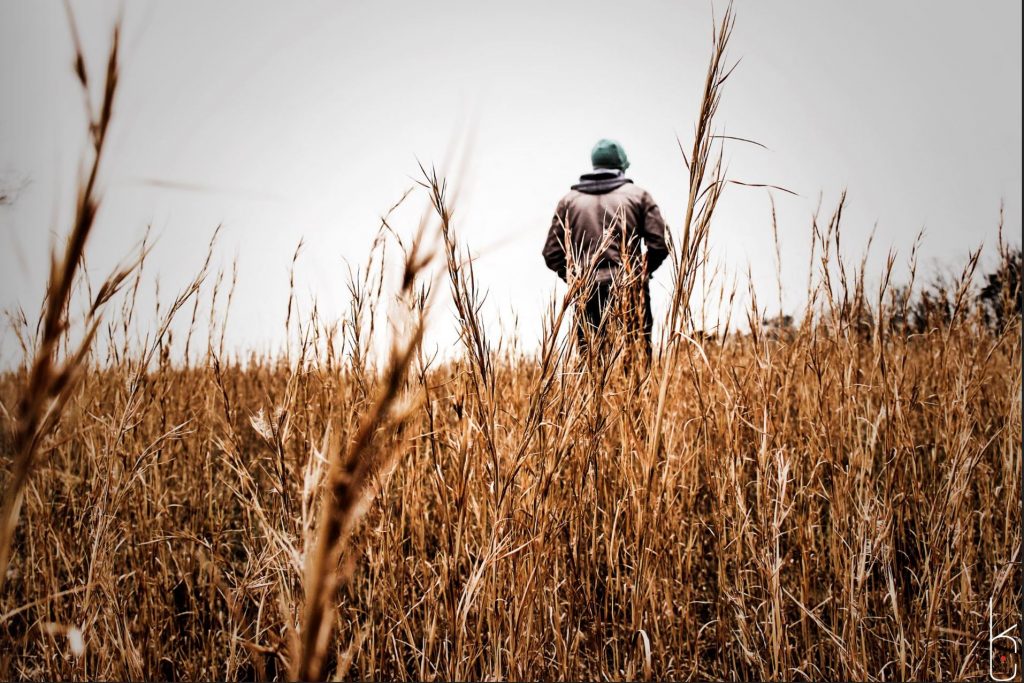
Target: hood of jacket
601 181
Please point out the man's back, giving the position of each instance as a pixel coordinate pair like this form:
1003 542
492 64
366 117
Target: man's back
606 218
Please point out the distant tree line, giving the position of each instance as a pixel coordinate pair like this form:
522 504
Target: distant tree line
997 301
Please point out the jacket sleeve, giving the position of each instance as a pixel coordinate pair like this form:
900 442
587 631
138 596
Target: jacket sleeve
653 231
554 246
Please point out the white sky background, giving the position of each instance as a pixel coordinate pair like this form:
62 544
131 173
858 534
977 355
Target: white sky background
305 120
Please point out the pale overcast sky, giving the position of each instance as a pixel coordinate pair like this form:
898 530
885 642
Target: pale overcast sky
306 120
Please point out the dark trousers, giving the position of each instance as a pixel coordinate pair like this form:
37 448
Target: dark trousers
593 312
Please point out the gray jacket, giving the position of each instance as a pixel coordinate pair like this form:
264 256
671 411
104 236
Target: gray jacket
606 217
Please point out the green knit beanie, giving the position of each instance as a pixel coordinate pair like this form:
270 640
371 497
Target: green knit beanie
609 154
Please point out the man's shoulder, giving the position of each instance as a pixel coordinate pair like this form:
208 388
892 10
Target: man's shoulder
634 190
632 194
571 197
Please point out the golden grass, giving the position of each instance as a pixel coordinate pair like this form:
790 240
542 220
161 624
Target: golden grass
840 500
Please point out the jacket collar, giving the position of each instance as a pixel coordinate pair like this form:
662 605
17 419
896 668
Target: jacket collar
601 181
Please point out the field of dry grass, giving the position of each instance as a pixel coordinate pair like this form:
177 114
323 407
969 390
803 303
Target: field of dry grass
836 500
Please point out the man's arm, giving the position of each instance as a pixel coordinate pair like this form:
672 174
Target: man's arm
653 231
554 247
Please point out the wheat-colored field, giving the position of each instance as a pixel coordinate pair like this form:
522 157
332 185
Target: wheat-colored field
835 499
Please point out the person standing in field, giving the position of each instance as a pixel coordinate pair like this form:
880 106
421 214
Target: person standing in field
609 231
